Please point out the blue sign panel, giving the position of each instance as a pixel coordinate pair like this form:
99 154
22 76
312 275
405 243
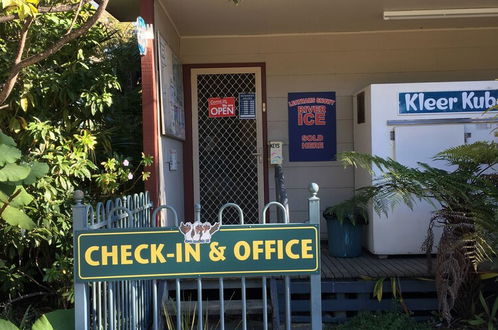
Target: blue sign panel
247 106
312 126
447 102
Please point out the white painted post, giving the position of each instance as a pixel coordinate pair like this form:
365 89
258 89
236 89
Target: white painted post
315 280
81 292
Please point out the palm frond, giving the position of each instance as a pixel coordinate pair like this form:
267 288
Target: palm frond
466 197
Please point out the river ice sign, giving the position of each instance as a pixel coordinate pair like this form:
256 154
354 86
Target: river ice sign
312 126
221 107
447 102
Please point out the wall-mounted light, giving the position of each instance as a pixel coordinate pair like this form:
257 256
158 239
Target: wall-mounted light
440 13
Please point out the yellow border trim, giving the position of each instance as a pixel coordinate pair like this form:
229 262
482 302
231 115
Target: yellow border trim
202 273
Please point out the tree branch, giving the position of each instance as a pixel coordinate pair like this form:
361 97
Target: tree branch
9 84
46 10
75 17
17 67
30 295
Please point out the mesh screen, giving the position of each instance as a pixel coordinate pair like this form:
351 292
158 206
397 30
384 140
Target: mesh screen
228 170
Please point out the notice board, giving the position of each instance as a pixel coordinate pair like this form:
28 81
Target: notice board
171 92
312 126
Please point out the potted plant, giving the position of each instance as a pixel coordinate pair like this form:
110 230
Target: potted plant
345 226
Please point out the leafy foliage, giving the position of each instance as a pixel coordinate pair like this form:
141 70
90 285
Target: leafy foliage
74 111
386 320
353 210
489 316
13 175
62 319
467 198
117 171
23 8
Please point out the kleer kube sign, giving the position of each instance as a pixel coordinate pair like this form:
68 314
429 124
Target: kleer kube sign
196 249
312 126
447 102
221 107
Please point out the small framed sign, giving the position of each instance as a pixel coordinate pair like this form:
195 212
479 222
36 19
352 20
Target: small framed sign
220 107
276 154
247 106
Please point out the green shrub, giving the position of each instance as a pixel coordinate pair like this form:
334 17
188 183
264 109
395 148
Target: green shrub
384 321
78 112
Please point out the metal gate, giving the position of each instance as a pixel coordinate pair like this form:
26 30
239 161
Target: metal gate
228 163
116 304
135 304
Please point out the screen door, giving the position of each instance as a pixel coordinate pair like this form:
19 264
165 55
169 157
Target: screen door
228 151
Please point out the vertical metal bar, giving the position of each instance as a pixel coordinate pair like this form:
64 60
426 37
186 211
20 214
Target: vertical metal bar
150 306
118 310
178 305
265 306
275 304
288 321
265 299
197 217
139 304
315 280
143 303
94 305
99 304
104 314
222 285
244 304
199 302
155 320
222 304
123 304
81 292
134 314
287 303
111 305
244 297
126 302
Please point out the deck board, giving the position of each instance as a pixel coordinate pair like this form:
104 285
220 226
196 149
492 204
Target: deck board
410 265
368 265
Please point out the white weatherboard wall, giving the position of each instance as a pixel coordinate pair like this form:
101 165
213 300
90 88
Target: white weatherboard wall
171 182
345 63
404 230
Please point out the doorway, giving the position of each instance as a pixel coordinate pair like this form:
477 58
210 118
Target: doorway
228 152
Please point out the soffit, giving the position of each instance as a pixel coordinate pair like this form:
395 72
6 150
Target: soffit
249 17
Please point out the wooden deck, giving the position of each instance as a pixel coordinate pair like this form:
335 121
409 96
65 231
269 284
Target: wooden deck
370 266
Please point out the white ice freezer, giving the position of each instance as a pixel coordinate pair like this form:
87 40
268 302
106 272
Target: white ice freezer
410 123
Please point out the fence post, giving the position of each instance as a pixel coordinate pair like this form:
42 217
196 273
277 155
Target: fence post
315 280
81 292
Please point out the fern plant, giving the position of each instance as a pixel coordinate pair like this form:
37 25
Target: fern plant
353 210
467 201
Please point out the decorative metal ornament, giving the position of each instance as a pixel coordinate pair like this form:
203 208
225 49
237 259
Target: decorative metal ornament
144 32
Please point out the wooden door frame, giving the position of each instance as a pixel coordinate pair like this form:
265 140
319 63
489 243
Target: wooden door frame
188 161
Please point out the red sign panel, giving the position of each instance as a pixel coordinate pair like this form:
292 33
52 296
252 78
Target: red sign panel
221 107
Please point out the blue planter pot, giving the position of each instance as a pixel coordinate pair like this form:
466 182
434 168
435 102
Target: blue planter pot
344 239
